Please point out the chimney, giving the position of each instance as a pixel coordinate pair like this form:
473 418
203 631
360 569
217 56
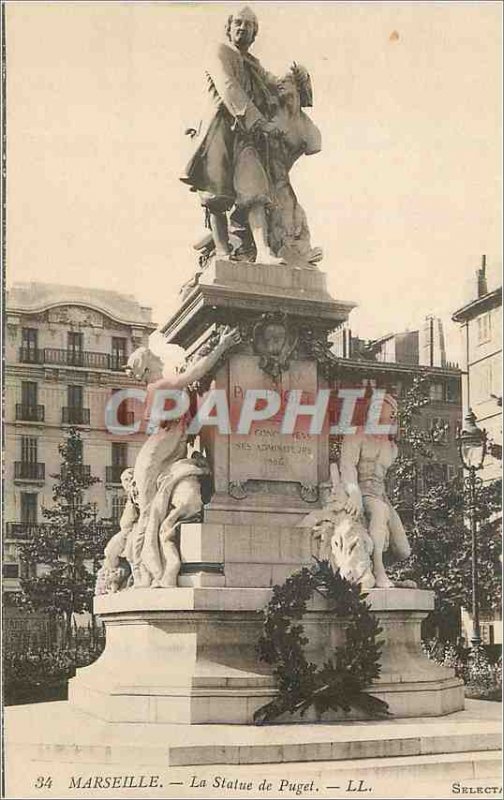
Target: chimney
432 352
481 278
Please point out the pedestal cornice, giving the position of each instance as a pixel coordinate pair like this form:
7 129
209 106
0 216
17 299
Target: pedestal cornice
248 289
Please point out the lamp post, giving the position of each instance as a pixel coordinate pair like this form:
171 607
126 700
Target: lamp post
472 447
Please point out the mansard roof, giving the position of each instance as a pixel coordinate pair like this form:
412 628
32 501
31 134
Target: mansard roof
35 297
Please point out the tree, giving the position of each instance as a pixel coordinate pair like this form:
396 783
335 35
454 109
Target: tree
441 546
436 523
57 554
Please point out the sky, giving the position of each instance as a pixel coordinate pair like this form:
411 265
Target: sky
404 198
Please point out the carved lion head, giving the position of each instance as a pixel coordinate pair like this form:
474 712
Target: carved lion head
351 547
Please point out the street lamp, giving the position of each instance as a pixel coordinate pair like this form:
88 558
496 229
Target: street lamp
472 447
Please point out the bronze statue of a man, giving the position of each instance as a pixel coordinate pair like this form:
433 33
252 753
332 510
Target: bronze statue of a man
228 167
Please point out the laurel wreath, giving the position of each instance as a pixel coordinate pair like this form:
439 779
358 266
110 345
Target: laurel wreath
340 683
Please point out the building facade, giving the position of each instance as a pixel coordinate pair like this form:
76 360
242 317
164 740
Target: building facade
65 349
480 322
392 362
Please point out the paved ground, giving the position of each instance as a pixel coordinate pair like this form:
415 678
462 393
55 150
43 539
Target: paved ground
54 751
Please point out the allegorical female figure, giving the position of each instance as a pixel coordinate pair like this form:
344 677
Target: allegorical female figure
163 475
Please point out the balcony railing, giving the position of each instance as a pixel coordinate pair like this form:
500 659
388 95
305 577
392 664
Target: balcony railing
113 473
75 415
29 470
30 413
72 358
31 355
84 470
20 530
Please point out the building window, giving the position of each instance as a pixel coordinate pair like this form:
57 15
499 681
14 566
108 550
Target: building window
74 413
75 341
29 394
29 337
29 345
29 508
119 454
484 328
118 503
452 392
119 356
119 459
75 397
436 392
29 449
28 409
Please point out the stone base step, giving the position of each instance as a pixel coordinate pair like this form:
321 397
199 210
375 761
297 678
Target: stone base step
58 731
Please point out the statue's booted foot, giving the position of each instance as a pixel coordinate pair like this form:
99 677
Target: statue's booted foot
267 257
383 581
169 582
141 578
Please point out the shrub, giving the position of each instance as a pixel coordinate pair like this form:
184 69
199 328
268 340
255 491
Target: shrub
27 676
482 678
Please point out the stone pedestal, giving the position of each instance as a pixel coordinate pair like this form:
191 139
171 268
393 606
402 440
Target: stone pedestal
187 656
265 482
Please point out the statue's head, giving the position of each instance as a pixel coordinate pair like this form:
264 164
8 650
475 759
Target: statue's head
288 92
241 28
143 365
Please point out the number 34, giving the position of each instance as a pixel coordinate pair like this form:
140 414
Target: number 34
43 782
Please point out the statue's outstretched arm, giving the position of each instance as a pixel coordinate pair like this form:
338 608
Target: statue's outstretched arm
350 455
196 371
